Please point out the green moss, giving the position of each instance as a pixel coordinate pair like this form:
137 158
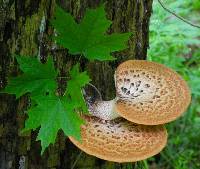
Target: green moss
28 36
30 31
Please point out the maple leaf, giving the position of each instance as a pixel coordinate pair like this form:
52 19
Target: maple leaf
74 91
51 114
36 78
88 37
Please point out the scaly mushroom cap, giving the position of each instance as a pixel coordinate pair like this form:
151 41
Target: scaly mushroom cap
120 140
150 93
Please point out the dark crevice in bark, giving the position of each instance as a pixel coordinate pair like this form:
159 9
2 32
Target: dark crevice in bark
26 8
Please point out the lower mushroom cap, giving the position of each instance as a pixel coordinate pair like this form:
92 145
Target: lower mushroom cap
120 140
150 93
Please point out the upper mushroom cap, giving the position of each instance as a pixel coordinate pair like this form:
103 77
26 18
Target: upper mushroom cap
150 93
120 140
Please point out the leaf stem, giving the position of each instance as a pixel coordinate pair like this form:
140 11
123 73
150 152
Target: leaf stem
90 84
62 77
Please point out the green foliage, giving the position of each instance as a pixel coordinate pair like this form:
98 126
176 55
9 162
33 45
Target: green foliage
74 91
52 113
88 38
37 78
176 44
49 111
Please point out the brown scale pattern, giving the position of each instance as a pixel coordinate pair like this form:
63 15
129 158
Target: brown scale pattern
120 140
150 93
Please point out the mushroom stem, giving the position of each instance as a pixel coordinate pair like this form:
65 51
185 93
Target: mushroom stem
104 109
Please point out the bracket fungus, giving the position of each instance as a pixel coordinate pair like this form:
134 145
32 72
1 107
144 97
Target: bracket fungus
150 93
120 140
129 128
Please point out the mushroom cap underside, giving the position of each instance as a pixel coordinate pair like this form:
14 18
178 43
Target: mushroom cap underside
150 93
120 140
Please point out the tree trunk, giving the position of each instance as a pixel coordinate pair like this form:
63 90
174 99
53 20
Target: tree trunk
24 30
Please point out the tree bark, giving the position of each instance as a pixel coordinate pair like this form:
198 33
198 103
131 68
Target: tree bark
24 30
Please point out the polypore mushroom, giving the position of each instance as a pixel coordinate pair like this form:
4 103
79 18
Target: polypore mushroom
120 140
150 93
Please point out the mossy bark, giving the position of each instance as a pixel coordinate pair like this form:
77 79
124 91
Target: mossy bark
24 30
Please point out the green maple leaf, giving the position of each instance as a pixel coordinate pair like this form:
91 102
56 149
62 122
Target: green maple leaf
74 87
36 78
89 37
51 114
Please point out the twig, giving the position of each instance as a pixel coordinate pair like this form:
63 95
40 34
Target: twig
179 17
79 58
99 93
77 158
